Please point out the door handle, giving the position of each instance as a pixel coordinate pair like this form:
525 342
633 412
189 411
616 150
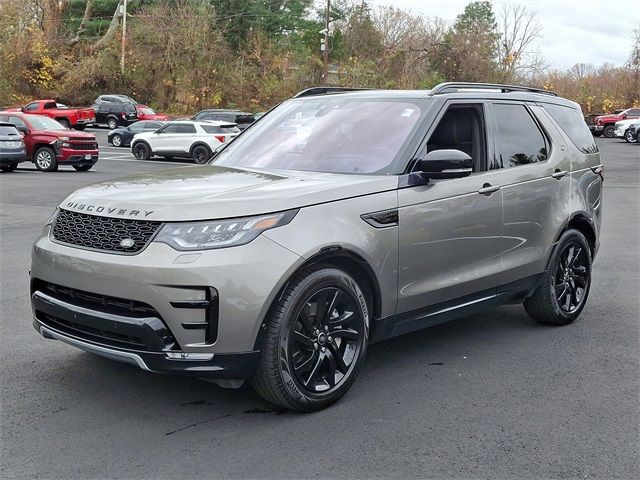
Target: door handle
488 189
559 174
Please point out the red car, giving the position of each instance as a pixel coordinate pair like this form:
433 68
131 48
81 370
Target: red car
77 118
605 124
147 113
49 144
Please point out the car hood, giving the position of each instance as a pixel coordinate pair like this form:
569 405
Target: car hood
624 123
212 192
66 133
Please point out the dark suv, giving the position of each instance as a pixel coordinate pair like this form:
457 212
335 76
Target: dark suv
115 111
241 119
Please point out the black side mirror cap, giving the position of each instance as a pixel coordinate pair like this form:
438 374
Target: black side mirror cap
443 164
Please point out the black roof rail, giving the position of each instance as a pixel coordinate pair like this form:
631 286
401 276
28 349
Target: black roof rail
326 91
454 87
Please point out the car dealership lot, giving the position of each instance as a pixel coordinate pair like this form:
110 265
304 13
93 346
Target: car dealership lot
490 396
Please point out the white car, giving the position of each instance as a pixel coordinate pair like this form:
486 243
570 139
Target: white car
196 140
622 126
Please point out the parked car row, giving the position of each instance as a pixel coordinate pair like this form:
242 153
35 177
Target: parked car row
605 125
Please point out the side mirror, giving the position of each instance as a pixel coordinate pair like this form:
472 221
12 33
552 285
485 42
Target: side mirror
443 164
22 129
624 115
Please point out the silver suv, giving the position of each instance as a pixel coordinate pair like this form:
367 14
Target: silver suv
339 219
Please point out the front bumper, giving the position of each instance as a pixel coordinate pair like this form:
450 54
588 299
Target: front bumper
596 128
10 157
174 286
619 132
237 366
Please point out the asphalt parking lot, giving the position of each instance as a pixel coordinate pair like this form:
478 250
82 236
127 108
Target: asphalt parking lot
490 396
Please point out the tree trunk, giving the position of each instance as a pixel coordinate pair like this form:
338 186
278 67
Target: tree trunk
111 31
85 18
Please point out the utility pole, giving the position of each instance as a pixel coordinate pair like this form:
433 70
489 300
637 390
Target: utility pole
325 52
124 34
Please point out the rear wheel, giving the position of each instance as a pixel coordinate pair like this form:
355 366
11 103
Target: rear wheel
315 341
567 279
609 131
80 127
64 122
201 154
45 160
9 168
116 140
112 123
83 168
141 151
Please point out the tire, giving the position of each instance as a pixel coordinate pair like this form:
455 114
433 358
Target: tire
302 365
9 168
64 122
116 141
200 154
80 127
628 137
609 131
45 160
141 151
560 298
112 123
83 168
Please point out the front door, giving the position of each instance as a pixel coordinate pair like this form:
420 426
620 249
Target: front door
450 230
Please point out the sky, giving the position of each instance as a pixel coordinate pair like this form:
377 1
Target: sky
575 31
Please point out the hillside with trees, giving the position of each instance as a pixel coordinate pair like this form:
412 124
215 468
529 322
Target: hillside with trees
184 55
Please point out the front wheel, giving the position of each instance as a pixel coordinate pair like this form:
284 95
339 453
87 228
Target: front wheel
563 293
83 168
315 341
141 151
45 160
116 140
201 154
628 136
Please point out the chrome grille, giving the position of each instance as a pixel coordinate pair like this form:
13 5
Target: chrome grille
102 233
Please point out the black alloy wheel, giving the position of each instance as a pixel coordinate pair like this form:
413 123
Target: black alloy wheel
325 340
571 277
563 293
141 151
201 154
315 340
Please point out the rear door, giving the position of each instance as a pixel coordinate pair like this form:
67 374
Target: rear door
535 164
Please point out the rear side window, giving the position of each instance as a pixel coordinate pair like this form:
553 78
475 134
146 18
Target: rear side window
570 120
519 141
185 128
50 105
220 129
4 130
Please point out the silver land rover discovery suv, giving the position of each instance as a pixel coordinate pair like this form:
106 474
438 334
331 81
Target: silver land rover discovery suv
339 219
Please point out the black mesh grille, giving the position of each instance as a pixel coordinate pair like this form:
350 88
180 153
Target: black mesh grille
102 233
83 146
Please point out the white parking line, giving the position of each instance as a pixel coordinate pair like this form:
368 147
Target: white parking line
159 162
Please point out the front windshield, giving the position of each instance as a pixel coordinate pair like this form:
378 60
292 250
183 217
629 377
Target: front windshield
44 123
327 134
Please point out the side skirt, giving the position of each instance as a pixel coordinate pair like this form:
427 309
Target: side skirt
406 322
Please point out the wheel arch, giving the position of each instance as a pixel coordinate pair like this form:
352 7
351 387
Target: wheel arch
199 144
66 119
343 259
38 146
581 222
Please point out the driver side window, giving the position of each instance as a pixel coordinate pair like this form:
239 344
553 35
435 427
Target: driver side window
461 128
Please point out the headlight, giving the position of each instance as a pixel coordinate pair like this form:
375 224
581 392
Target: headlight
220 233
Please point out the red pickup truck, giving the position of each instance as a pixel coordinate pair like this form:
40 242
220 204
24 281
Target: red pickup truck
77 118
605 124
50 145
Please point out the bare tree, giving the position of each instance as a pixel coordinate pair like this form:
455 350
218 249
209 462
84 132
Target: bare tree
519 29
83 23
113 27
